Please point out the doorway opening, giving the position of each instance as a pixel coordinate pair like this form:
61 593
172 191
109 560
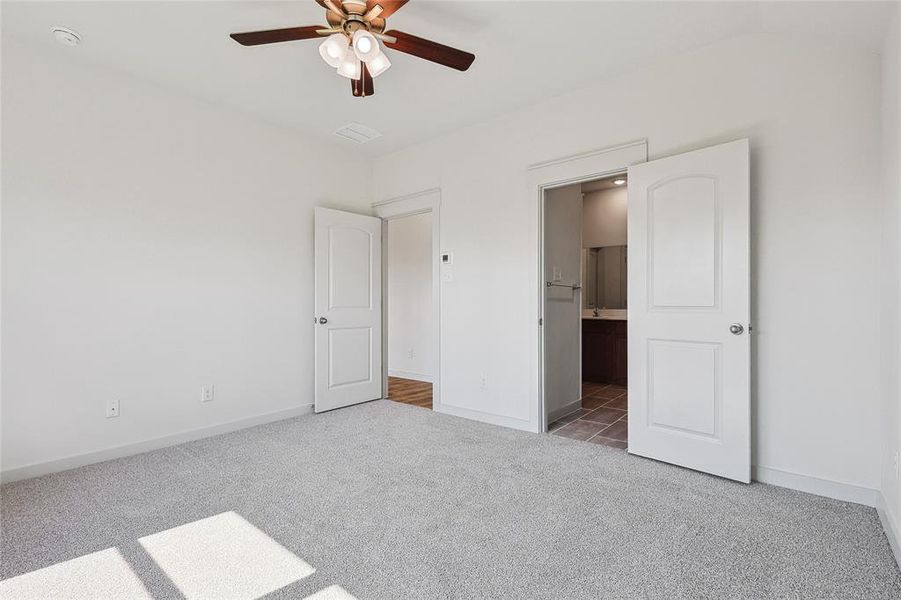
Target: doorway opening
586 299
409 328
411 297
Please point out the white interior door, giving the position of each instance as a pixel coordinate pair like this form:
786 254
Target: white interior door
348 305
689 310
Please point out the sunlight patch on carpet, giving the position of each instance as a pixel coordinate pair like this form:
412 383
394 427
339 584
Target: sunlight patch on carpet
332 592
224 556
104 574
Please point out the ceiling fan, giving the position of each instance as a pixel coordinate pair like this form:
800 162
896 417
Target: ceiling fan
352 37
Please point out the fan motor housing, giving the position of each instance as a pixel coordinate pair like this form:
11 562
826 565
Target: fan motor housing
354 20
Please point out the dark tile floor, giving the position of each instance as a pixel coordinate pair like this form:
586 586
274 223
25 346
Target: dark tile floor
603 418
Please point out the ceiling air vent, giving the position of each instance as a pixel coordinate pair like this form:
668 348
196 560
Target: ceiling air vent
357 133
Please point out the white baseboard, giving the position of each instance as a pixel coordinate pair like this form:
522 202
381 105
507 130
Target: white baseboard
484 417
570 408
410 375
837 490
89 458
890 526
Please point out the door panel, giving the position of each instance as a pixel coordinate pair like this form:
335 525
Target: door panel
348 300
682 235
350 356
350 277
689 281
682 393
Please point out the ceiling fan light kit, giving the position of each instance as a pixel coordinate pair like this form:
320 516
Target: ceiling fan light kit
362 47
333 49
352 45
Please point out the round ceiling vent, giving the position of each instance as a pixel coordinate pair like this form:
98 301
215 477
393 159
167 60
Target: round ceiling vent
66 36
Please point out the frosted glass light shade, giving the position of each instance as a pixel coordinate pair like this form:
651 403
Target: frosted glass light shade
378 65
366 47
333 49
350 66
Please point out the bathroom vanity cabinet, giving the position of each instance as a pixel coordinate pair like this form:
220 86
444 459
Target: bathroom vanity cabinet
604 350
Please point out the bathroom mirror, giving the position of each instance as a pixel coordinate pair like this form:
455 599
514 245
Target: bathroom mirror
604 277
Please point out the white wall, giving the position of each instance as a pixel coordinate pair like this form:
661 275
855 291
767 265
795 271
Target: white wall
410 329
150 245
811 111
563 306
891 269
604 218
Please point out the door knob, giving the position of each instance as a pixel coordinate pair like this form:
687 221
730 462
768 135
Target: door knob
736 329
323 320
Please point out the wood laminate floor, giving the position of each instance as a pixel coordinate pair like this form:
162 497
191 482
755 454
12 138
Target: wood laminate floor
409 391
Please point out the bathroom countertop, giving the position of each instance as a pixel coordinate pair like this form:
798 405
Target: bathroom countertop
608 314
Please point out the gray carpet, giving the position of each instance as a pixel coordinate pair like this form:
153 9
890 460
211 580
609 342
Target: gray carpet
393 501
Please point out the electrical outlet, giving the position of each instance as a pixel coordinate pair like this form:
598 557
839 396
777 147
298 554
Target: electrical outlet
112 408
411 355
896 464
206 393
483 381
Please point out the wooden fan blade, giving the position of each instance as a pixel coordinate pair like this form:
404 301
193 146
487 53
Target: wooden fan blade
433 51
271 36
389 7
323 4
363 86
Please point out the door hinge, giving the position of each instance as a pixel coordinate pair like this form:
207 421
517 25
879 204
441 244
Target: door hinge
540 322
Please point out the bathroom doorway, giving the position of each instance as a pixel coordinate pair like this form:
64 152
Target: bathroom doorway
586 255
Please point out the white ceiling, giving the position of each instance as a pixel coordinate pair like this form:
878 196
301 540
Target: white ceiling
525 52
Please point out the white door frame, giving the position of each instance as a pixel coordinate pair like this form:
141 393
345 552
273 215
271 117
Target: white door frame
426 201
543 176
